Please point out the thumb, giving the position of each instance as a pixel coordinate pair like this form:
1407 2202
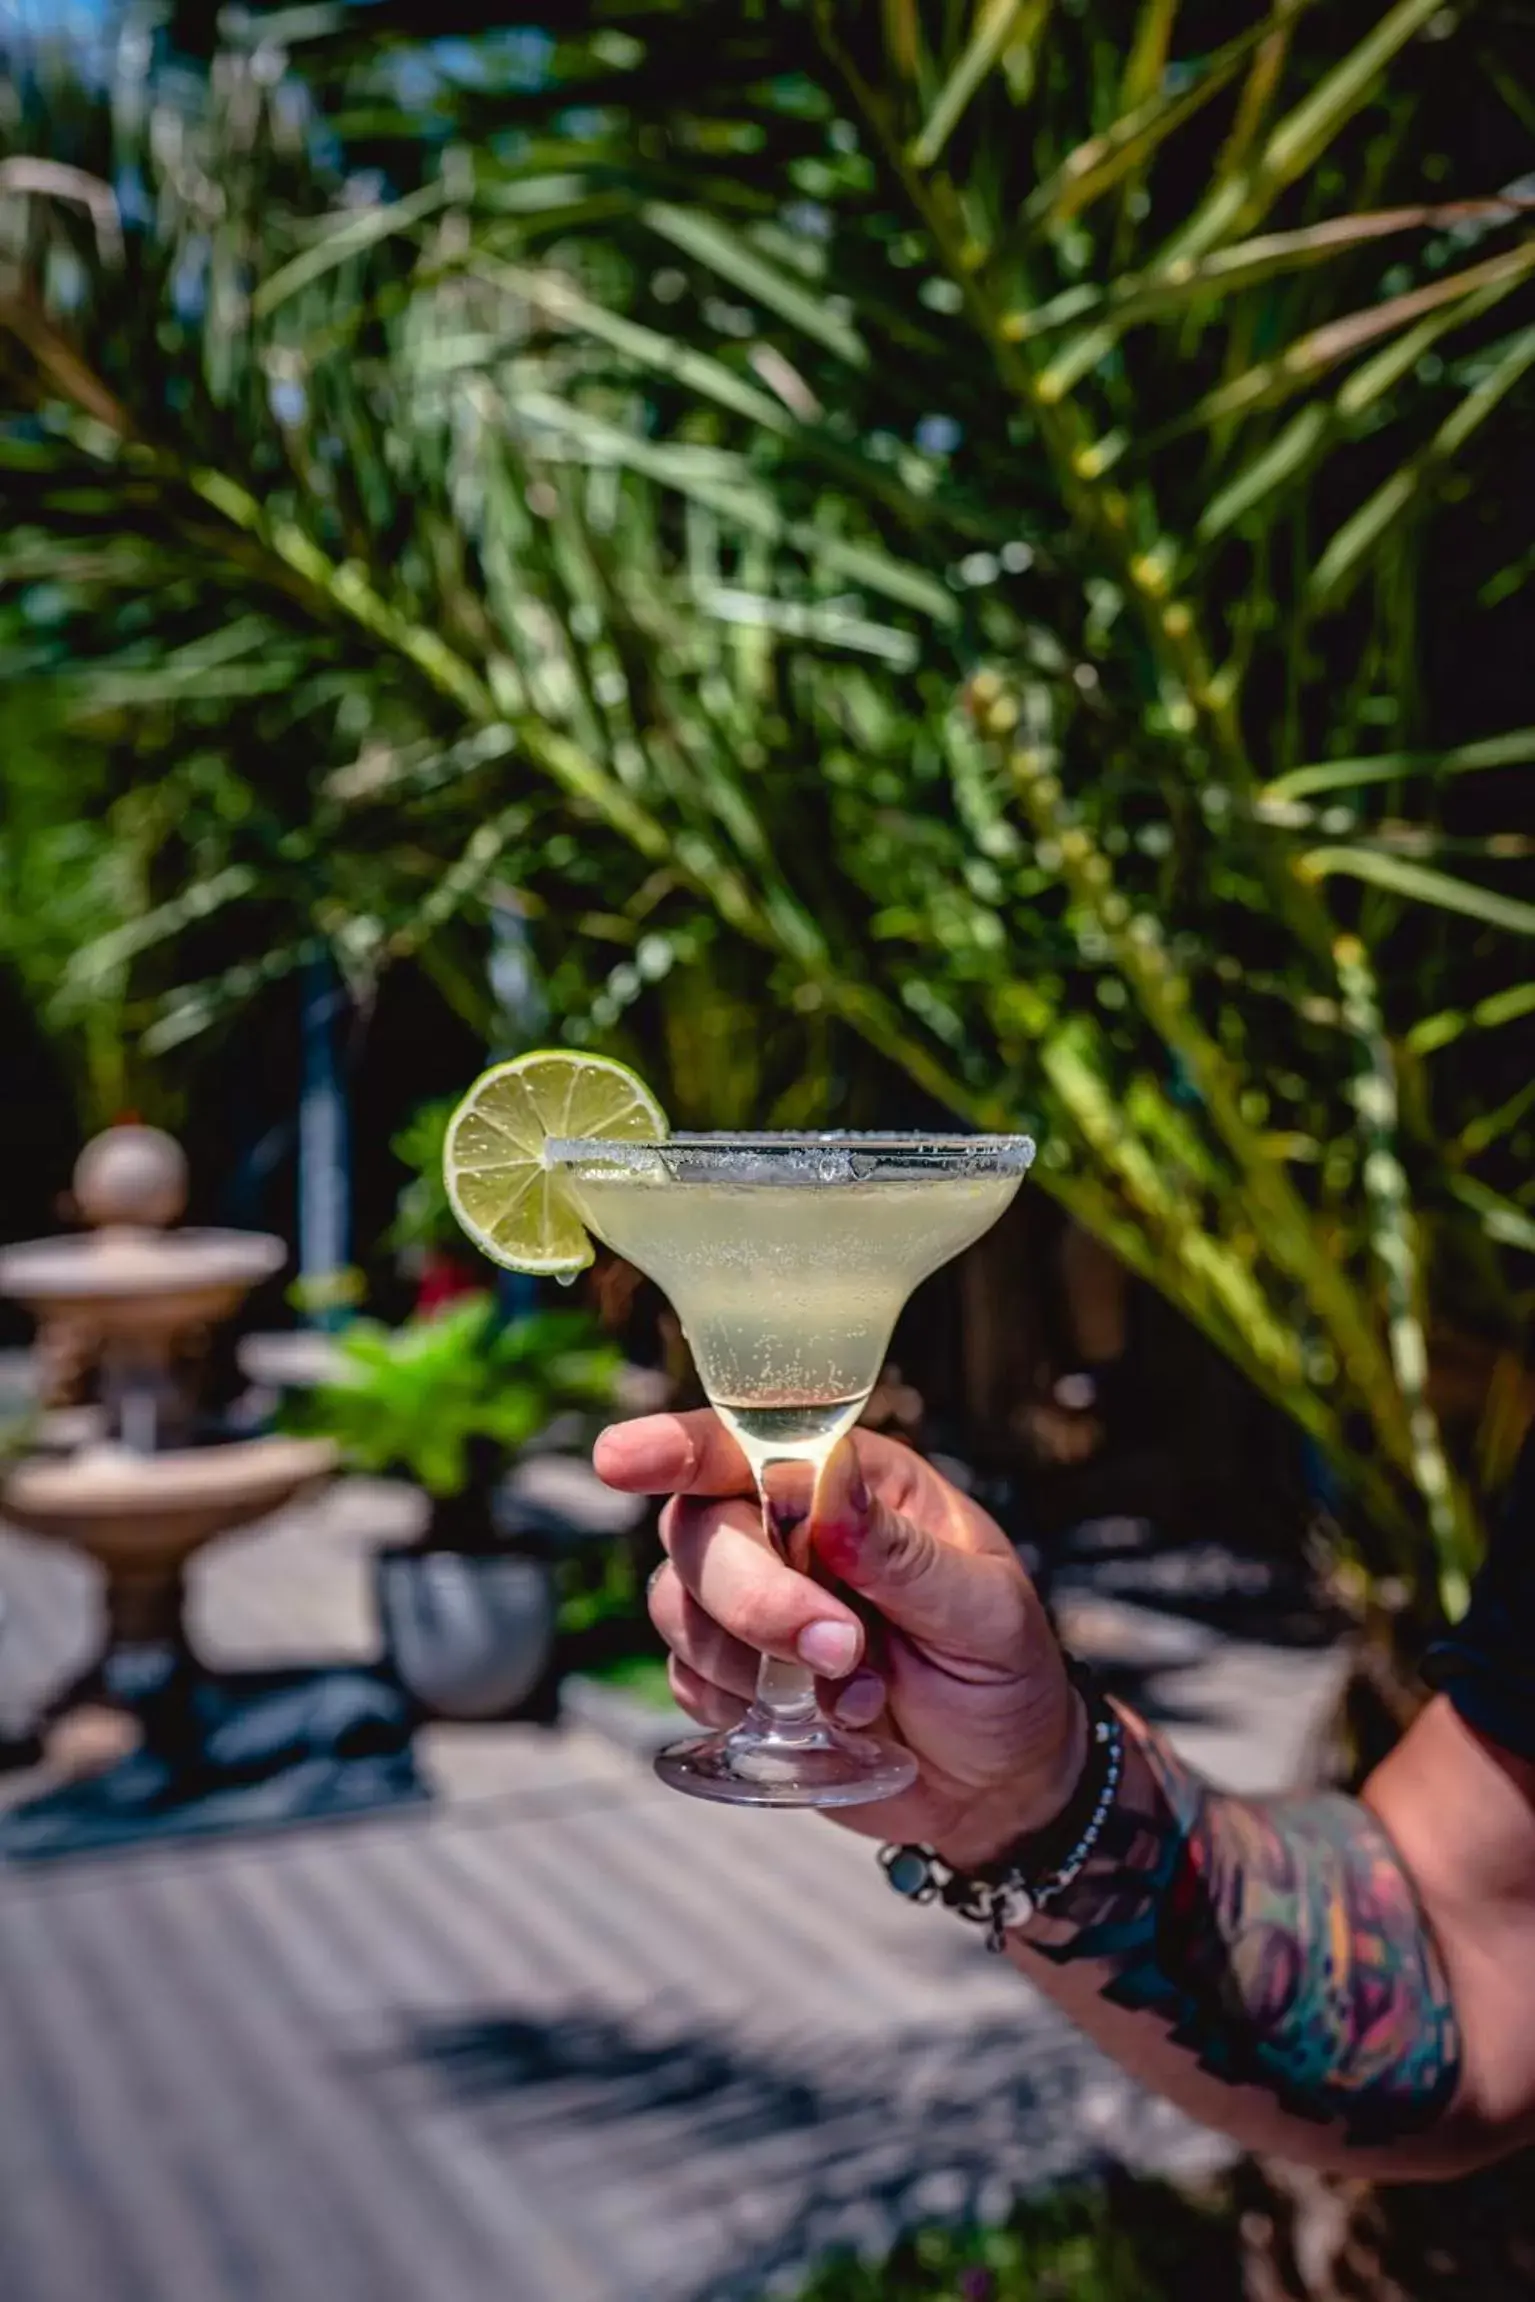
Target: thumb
960 1602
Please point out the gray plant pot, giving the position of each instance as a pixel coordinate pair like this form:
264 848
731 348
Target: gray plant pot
468 1634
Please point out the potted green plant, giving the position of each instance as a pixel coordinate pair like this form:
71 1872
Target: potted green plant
449 1400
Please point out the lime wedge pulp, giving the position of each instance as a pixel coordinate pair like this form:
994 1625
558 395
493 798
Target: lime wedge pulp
515 1208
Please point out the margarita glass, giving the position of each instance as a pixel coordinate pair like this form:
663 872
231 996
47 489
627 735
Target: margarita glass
787 1259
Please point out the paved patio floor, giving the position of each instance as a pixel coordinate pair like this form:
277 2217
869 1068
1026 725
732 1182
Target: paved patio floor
559 2036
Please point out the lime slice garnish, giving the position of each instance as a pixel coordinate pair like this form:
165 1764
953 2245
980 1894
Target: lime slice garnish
515 1209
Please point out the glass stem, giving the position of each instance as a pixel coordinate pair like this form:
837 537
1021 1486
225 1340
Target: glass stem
785 1696
785 1693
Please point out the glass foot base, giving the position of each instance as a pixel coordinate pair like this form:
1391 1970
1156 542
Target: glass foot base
760 1763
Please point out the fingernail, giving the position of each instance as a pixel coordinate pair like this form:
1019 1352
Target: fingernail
841 1489
842 1512
785 1526
830 1649
861 1700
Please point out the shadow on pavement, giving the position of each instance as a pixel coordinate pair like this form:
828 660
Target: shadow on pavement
772 2159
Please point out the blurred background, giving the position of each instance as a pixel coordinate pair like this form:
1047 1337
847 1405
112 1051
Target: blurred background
906 565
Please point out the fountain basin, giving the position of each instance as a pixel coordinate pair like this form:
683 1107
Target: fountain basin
141 1518
126 1284
116 1504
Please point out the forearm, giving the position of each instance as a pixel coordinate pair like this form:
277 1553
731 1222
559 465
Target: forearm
1264 1964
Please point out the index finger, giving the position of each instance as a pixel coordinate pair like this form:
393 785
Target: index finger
690 1454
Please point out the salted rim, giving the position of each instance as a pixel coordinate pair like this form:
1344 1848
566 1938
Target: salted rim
826 1158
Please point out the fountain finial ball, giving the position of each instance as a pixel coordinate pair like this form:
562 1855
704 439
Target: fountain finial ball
132 1175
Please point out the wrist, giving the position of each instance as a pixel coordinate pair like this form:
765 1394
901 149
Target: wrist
1031 1803
1005 1886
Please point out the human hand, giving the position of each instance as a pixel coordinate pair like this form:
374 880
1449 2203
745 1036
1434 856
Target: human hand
955 1659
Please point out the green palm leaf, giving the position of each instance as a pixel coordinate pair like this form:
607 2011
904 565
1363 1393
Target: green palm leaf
1419 884
896 525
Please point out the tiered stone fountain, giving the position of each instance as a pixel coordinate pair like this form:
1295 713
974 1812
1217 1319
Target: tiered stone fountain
137 1300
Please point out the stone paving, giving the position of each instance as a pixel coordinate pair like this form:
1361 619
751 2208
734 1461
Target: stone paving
559 2036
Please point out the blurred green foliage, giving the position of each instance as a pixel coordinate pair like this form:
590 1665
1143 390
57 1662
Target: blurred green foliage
965 560
1125 2242
417 1400
423 1217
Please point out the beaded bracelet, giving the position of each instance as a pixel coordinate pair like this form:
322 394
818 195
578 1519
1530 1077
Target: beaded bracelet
1026 1879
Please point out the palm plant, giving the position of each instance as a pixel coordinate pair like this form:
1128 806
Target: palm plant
915 521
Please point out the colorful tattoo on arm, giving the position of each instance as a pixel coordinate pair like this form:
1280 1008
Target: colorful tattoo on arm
1280 1940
